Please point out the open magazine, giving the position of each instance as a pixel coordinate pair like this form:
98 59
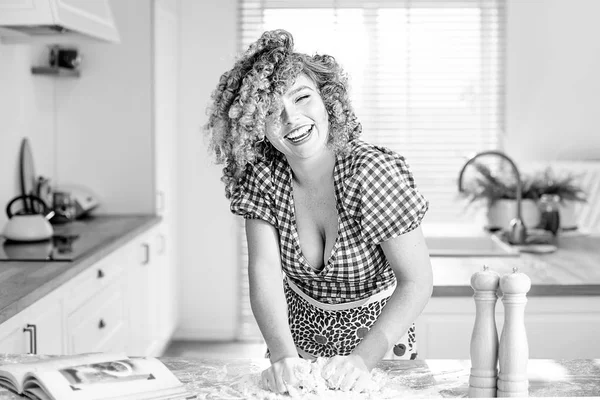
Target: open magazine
93 377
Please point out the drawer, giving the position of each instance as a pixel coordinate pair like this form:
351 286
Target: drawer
94 325
96 278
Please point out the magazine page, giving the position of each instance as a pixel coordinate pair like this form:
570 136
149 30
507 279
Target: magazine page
7 382
113 379
36 394
15 373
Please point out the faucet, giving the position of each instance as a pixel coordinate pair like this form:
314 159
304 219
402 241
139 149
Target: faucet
518 231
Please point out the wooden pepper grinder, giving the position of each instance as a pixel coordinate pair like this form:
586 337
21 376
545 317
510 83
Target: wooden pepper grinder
514 350
484 340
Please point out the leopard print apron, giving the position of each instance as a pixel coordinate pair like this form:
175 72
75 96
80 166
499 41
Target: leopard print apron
326 330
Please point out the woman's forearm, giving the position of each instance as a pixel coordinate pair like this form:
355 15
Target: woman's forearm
267 298
401 310
270 310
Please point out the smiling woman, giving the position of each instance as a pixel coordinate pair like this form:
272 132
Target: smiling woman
340 218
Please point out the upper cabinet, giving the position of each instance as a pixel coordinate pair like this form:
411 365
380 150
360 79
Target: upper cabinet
57 21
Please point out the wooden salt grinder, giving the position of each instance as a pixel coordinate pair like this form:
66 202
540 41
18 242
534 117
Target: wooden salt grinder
484 339
514 350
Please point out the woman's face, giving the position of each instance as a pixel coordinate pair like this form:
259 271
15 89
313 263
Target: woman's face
303 129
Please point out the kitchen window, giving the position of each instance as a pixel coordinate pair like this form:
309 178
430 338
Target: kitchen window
426 76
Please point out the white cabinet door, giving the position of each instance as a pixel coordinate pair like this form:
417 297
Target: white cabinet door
565 327
443 330
46 316
38 329
12 340
94 326
17 12
140 297
152 294
165 286
92 17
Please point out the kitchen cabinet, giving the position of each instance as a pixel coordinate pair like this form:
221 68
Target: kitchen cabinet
36 330
30 20
123 302
558 327
164 284
152 298
99 325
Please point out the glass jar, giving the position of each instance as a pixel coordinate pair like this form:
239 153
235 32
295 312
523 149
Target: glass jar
550 212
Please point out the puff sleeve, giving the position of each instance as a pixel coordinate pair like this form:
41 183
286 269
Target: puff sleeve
252 199
387 201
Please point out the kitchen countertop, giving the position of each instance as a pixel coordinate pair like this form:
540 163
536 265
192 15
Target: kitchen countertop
22 282
225 378
572 270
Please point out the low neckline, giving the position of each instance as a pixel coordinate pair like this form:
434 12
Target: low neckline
296 236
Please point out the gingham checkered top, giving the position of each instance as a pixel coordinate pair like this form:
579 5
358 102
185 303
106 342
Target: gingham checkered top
376 200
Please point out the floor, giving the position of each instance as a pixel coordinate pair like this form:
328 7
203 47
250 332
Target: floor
201 349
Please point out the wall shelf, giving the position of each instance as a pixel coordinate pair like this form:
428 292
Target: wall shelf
55 71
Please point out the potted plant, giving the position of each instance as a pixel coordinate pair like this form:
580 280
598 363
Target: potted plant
497 192
566 187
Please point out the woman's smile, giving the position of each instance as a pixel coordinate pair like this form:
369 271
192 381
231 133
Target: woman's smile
300 135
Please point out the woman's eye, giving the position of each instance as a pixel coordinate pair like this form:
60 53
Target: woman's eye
301 98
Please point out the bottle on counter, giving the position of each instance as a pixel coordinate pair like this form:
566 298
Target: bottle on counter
549 205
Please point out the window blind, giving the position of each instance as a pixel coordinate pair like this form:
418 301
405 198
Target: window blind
426 80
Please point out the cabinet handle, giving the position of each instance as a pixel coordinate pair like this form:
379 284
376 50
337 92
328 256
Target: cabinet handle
163 243
146 254
101 324
100 274
32 330
160 201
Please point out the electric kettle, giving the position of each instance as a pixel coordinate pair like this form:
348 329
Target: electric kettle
29 224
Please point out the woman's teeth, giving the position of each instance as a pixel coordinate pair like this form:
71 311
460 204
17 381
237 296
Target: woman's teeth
300 134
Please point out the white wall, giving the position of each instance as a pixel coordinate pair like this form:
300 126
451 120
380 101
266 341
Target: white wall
26 110
208 242
553 80
104 118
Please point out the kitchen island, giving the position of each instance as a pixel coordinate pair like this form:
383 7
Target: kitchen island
235 378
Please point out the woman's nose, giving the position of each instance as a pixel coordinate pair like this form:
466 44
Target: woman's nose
289 115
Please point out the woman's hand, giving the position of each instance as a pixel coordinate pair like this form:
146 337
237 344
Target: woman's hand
347 373
281 375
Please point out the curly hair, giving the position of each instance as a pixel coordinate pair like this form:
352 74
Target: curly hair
249 95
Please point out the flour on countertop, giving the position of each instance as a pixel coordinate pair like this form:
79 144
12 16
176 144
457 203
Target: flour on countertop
313 386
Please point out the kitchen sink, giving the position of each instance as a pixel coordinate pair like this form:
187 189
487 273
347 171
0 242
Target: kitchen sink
469 246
